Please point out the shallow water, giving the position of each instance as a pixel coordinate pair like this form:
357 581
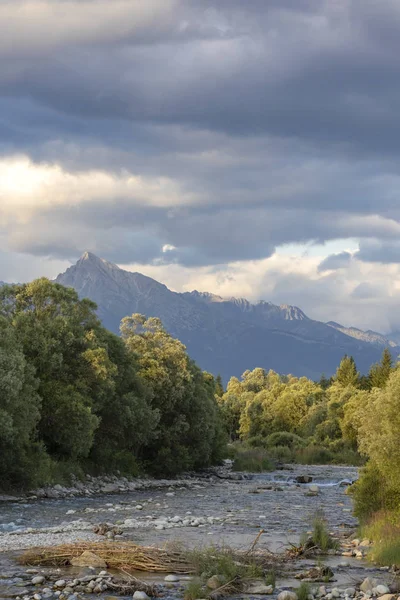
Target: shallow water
284 511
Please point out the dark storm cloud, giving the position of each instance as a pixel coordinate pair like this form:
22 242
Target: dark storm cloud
335 261
280 116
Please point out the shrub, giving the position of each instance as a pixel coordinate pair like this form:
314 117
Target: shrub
255 461
281 454
372 494
257 441
313 455
285 438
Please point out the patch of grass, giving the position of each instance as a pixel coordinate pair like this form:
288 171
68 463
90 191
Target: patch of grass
384 530
224 563
270 578
303 591
254 460
320 535
195 590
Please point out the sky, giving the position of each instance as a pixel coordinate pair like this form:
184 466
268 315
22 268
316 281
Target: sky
247 149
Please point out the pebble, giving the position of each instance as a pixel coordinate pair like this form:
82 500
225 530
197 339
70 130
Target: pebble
286 595
381 590
171 578
140 596
38 580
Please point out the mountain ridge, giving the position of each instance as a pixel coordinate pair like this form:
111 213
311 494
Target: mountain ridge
224 336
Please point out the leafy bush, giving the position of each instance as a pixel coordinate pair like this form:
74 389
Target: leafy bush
257 441
372 493
281 454
314 455
285 438
255 460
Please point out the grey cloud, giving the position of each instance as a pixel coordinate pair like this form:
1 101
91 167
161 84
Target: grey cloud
370 291
280 115
379 251
335 261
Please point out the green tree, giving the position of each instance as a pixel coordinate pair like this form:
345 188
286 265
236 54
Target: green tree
56 332
20 405
219 387
346 373
127 421
188 429
380 372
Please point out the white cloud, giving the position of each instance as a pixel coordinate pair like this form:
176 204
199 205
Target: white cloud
285 279
27 188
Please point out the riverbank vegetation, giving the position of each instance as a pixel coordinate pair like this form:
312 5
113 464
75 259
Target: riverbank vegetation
349 419
75 398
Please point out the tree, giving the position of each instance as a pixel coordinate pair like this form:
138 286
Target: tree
219 387
346 373
379 429
56 331
324 382
188 428
380 372
127 421
19 412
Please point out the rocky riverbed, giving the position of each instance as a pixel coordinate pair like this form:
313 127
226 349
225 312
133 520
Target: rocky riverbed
215 509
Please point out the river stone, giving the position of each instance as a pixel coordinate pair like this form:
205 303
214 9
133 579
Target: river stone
367 585
140 596
60 583
350 592
172 578
214 582
381 590
304 479
38 580
259 589
387 597
286 595
88 559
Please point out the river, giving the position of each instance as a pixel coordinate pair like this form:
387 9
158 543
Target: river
229 512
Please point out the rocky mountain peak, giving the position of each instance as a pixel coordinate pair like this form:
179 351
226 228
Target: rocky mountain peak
292 313
224 335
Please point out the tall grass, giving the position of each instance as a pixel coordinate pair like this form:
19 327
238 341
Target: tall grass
224 563
384 530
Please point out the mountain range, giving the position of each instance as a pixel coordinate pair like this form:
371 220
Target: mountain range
225 335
